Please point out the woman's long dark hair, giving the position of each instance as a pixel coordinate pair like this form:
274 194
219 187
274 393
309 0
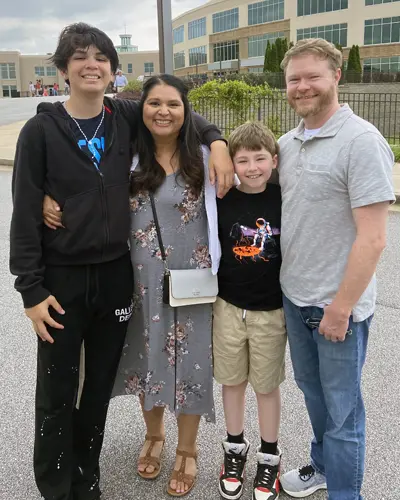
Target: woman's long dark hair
151 175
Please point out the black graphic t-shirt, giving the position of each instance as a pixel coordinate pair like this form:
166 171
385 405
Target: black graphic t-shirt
95 149
249 230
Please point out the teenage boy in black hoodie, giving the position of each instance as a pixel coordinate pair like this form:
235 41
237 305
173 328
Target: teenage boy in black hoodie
76 283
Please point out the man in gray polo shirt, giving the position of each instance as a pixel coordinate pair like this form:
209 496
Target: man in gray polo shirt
336 179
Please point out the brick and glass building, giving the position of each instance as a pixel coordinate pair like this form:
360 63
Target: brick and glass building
224 36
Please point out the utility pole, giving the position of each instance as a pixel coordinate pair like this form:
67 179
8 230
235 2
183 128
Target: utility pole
165 36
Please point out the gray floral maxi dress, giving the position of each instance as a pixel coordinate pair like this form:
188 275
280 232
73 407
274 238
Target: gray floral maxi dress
168 354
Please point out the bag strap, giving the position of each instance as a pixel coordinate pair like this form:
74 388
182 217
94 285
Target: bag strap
158 230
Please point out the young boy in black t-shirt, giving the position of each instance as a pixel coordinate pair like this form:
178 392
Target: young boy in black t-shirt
249 336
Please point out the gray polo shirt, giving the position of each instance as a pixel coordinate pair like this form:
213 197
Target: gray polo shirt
347 165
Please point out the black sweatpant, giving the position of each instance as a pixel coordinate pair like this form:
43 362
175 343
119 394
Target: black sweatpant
97 300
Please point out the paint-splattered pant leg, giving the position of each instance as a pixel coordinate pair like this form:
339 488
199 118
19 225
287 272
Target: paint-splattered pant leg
97 301
56 390
104 341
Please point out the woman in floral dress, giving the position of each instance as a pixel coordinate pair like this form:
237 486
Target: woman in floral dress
167 360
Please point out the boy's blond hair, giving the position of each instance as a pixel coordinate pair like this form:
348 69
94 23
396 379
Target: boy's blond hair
252 136
318 47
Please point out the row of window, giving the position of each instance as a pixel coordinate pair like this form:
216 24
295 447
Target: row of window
258 43
198 55
334 33
8 71
309 7
385 30
262 12
258 13
266 12
9 90
384 64
45 71
377 2
148 67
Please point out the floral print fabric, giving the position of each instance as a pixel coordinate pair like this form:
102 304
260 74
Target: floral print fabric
167 357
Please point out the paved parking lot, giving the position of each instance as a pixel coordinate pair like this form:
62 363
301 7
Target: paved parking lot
125 429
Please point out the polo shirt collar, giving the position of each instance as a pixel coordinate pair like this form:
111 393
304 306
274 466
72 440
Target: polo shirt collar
331 127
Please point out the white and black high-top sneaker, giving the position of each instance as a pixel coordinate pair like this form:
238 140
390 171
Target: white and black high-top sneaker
266 484
232 472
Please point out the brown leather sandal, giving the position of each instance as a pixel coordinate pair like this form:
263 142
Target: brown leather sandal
149 460
180 475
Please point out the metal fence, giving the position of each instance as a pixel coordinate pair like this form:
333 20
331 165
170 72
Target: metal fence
382 110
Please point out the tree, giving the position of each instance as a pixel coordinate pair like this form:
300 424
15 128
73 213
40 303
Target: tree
274 59
357 59
267 58
285 47
280 52
354 65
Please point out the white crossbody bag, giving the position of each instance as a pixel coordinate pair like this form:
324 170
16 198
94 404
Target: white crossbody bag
185 287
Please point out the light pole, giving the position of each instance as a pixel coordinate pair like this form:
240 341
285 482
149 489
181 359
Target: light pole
165 36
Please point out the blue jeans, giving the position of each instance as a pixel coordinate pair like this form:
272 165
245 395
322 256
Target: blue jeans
329 375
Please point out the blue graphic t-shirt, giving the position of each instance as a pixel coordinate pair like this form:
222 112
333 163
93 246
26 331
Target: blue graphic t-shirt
96 147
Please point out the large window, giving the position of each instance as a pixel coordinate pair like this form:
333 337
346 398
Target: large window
267 11
198 55
130 68
309 7
8 71
335 33
149 67
179 59
258 43
179 34
383 64
227 20
10 91
39 70
377 2
197 28
385 30
226 51
51 71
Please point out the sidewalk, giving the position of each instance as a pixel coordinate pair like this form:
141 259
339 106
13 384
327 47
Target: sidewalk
8 138
9 135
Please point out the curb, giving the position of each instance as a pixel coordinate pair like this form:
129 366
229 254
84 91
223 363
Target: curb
6 163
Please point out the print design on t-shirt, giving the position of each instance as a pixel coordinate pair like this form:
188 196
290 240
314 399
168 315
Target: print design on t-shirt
95 146
255 243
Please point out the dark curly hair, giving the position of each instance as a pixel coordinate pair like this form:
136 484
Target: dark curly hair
81 36
151 175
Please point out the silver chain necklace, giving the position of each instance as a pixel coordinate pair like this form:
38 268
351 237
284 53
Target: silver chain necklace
89 142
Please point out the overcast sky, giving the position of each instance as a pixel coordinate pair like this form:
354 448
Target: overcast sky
33 26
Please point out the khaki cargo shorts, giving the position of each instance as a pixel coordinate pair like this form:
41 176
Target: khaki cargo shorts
249 345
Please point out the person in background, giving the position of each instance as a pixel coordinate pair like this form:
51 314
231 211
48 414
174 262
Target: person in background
120 81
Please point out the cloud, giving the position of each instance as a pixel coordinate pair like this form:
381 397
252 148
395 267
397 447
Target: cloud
35 26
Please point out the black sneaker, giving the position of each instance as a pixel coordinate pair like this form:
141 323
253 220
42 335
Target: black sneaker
266 484
232 472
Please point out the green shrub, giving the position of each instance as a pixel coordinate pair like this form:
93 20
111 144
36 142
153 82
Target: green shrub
396 152
237 100
134 86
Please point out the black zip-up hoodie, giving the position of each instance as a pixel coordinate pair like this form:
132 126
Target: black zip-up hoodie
95 204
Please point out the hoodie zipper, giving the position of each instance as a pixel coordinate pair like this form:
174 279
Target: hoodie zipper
101 177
